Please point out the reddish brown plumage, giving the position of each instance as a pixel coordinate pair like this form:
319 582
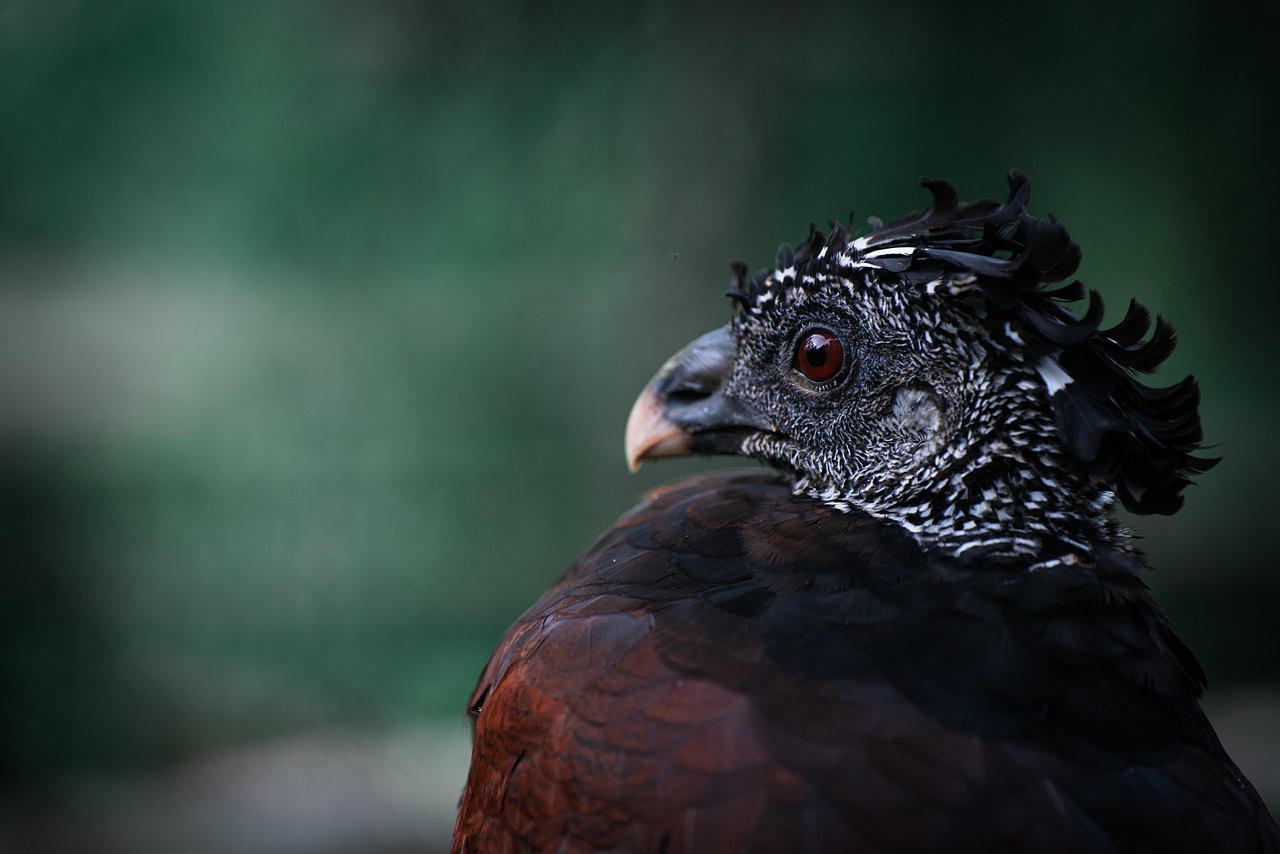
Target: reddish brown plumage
945 646
733 668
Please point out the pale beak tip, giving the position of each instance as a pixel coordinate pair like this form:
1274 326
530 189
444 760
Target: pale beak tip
651 434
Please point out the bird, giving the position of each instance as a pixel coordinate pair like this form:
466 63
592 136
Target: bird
918 626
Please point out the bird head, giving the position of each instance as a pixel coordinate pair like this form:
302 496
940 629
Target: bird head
930 373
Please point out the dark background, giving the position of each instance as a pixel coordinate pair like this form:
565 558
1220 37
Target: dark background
320 322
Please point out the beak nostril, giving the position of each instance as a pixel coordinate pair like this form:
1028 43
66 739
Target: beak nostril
687 395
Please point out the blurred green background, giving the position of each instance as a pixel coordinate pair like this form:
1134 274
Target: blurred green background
320 322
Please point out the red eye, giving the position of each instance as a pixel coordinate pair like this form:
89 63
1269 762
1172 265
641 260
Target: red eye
819 355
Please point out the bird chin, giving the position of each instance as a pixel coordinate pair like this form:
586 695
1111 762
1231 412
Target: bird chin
736 442
718 442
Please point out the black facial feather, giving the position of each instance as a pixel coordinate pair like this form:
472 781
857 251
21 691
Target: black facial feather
1136 438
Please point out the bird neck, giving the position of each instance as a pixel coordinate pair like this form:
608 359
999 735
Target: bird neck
1012 494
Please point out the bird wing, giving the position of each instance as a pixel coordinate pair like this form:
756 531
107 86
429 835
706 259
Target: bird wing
732 668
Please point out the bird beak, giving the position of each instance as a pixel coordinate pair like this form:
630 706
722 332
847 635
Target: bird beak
684 410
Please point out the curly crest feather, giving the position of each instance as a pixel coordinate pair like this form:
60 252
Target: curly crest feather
1138 438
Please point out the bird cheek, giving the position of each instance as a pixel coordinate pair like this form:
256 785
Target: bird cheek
916 413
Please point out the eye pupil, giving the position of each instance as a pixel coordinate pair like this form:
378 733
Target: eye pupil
820 355
814 353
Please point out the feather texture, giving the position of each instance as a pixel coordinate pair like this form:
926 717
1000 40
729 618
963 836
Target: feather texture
1139 438
732 667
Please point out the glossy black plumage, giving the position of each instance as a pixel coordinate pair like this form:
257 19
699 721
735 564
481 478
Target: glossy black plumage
735 668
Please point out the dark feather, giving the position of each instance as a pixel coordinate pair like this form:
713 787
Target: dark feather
930 634
1012 257
673 684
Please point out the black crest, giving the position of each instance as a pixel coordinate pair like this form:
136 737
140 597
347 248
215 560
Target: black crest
1139 438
